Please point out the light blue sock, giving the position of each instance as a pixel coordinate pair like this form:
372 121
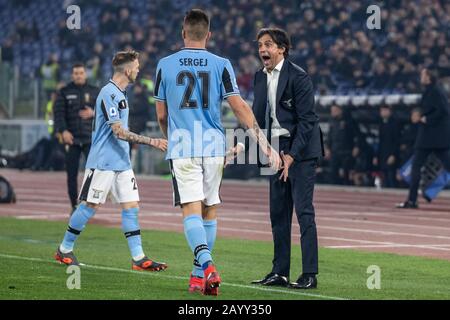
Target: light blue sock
77 223
211 232
132 231
196 238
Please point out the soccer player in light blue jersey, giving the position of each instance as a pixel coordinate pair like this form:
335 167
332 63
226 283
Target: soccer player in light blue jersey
190 86
108 167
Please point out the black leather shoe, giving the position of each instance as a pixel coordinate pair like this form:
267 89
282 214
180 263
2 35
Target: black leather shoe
261 281
273 279
407 205
305 282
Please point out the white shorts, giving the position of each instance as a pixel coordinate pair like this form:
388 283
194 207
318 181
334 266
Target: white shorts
97 184
197 179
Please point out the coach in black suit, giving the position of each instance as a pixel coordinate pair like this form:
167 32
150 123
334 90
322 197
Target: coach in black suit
284 105
434 131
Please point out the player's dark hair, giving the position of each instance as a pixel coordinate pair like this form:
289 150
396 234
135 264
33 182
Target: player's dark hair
78 65
196 24
123 57
279 36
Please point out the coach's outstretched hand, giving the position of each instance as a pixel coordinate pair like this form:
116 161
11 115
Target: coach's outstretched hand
160 144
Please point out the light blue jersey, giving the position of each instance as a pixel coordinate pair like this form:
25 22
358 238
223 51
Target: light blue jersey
107 152
193 83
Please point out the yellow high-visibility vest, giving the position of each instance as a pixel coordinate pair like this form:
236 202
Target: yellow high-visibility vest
49 117
149 84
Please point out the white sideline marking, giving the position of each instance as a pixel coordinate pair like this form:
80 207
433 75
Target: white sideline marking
179 278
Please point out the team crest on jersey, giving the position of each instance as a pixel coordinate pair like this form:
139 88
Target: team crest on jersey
123 104
97 193
113 111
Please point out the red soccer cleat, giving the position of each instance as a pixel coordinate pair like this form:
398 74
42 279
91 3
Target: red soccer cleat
68 259
211 282
195 284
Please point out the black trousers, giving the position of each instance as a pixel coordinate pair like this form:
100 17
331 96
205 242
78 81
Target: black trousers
389 176
296 192
340 161
420 156
73 154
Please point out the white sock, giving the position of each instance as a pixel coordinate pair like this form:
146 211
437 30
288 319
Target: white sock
139 257
64 250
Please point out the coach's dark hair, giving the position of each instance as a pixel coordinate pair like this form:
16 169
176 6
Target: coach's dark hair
279 36
78 65
123 57
196 24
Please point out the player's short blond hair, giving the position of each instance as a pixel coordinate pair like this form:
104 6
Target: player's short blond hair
121 58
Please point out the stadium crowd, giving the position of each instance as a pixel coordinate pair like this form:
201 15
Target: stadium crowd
330 38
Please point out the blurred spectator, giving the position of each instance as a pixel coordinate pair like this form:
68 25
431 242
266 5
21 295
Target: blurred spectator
331 36
6 51
140 109
361 175
140 113
124 21
386 158
74 113
342 144
50 75
45 155
49 113
26 33
108 24
148 86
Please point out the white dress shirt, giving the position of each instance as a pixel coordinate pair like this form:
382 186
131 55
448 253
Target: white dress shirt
272 86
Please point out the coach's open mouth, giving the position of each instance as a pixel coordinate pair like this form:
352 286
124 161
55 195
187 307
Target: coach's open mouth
265 57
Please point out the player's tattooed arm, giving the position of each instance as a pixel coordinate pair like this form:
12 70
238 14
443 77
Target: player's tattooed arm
245 115
126 135
258 135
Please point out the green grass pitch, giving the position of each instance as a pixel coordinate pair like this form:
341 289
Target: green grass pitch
28 271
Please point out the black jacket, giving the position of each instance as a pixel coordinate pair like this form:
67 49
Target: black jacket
294 111
409 135
435 134
343 135
389 144
70 100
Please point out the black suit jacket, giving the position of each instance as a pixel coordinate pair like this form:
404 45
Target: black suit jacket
294 111
70 100
436 132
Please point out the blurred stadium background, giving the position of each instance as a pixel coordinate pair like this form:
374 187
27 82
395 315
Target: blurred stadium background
351 66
